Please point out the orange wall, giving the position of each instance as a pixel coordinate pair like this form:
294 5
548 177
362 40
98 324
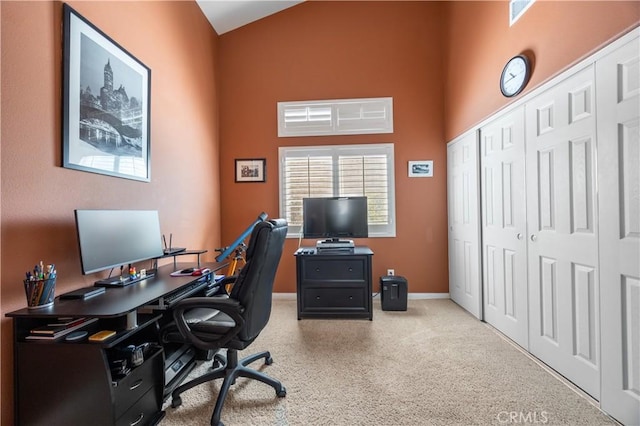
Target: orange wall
328 50
175 40
556 33
440 61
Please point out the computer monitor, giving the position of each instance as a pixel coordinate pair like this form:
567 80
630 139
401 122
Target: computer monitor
110 238
334 218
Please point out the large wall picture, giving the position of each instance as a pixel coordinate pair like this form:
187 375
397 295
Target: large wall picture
106 96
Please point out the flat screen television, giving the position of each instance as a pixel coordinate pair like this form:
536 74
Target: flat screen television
334 218
110 238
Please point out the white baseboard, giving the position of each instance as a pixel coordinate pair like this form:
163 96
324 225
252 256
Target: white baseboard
292 296
428 296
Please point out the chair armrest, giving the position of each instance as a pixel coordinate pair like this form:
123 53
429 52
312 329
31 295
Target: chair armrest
224 283
230 307
227 280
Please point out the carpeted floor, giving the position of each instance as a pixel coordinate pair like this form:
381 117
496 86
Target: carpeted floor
433 364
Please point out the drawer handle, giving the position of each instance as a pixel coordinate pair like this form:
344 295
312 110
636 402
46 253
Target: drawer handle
350 269
136 384
317 297
350 297
138 420
317 269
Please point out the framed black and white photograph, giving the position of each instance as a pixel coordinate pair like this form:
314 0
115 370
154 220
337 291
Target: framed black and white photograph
422 168
106 101
251 170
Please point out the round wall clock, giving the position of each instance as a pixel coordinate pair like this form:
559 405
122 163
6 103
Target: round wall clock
515 75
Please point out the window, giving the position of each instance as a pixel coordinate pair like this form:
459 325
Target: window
339 171
335 117
517 8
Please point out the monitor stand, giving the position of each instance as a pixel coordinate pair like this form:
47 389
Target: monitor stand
335 244
123 281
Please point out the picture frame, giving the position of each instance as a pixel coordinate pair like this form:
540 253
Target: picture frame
421 168
106 98
251 170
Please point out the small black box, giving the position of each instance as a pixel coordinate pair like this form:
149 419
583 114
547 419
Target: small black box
393 293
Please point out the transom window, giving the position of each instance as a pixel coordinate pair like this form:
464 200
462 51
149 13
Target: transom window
335 117
339 171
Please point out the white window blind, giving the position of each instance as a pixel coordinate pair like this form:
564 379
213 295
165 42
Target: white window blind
339 171
335 117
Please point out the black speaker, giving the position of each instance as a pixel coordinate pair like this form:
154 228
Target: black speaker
393 293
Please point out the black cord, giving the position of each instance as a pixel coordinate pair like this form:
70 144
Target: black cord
375 295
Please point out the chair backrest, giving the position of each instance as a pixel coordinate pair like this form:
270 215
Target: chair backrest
254 286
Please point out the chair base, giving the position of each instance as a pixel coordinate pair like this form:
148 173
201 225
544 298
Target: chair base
229 369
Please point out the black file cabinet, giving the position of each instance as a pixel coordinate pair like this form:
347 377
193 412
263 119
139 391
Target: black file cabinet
334 284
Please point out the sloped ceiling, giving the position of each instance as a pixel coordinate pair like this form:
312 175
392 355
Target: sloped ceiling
227 15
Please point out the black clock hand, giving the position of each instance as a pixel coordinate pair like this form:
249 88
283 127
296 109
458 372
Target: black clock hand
512 77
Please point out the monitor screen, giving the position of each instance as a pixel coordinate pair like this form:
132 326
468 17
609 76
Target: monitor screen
335 217
110 238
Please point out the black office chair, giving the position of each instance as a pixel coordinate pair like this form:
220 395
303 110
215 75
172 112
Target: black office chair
211 323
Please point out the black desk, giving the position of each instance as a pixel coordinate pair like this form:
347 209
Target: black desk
334 283
59 382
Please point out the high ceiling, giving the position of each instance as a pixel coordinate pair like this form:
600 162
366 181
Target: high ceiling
227 15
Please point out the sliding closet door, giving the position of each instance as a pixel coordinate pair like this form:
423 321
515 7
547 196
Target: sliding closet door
464 226
504 242
618 103
562 223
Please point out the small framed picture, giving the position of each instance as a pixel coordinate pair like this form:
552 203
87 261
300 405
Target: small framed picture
422 168
251 170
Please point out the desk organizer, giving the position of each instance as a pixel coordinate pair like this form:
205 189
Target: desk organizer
40 293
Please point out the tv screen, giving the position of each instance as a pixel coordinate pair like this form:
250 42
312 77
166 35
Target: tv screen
335 217
110 238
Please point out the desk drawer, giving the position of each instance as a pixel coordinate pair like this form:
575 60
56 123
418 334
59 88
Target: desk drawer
143 412
327 299
320 269
143 378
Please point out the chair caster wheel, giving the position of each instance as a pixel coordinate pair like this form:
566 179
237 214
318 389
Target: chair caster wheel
218 361
282 392
176 402
268 361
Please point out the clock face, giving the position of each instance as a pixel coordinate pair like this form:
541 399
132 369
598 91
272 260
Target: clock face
515 76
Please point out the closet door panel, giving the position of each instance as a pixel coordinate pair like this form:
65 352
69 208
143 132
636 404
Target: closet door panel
464 226
618 103
562 217
504 225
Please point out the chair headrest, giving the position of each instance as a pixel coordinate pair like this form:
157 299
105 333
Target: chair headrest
274 224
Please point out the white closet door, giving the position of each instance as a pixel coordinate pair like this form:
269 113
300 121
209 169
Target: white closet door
618 100
562 224
464 226
504 241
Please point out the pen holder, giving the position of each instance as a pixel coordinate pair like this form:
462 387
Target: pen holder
40 293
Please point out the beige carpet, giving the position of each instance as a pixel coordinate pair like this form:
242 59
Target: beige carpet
433 364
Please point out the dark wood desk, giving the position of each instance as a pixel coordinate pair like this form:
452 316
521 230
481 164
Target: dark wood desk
60 382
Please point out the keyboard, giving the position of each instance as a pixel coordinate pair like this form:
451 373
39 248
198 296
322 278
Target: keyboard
185 291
